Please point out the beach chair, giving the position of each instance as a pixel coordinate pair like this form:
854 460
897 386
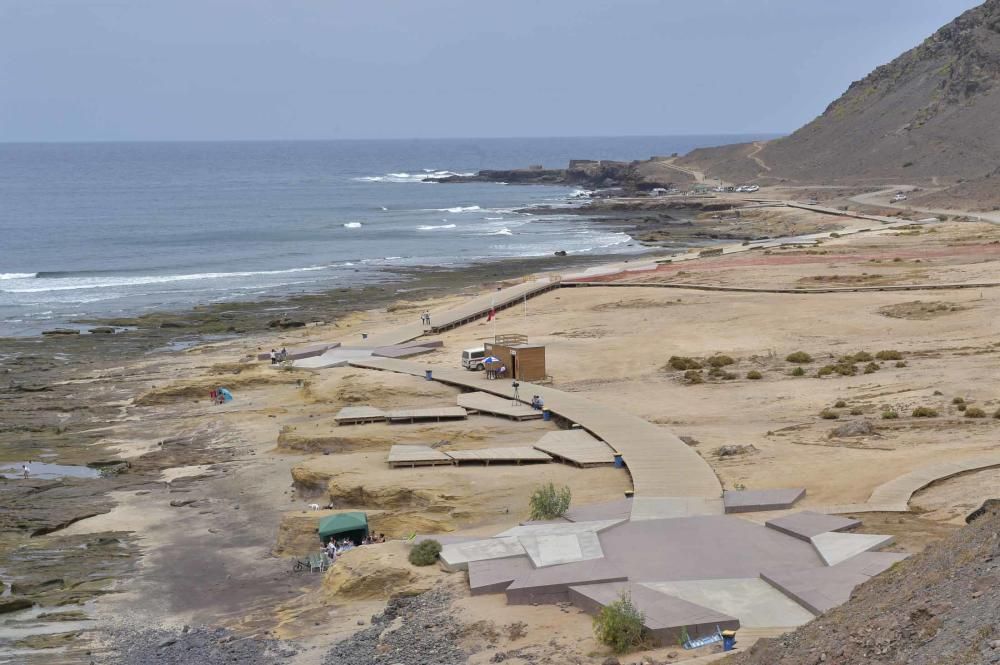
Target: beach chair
315 562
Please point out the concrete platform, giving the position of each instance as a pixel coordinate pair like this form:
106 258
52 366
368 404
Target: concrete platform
487 456
334 357
457 556
359 415
754 601
551 585
412 456
666 617
807 524
435 414
538 528
481 402
554 549
495 575
576 446
836 548
821 590
400 351
751 501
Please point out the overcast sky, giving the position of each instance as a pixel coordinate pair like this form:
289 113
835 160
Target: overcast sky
79 70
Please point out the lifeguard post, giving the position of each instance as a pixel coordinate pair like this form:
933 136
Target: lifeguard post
524 361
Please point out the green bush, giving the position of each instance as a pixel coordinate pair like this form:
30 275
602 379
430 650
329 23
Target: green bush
720 361
962 407
800 357
890 414
924 412
974 412
425 553
889 355
840 404
845 369
683 363
620 625
901 363
958 400
826 370
693 376
798 371
872 367
860 357
754 375
548 503
857 411
828 414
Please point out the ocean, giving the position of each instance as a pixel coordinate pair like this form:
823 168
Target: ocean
97 230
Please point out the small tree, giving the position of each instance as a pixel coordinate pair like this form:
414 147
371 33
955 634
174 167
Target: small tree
620 625
425 552
548 503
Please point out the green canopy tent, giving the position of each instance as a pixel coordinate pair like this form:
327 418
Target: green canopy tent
353 526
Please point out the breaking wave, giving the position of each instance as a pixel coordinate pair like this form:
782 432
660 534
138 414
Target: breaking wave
352 225
426 175
434 228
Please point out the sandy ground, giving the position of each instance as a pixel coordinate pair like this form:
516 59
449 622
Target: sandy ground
218 558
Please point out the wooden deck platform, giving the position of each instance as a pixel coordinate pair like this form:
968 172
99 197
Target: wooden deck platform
359 415
432 414
481 402
487 456
413 456
576 446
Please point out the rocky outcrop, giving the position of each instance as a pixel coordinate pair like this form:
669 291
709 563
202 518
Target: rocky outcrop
591 174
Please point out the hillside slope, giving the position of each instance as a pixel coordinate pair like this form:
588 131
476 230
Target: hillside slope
939 607
931 115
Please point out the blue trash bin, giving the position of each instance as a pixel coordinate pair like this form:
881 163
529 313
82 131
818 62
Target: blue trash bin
619 462
728 640
429 375
546 414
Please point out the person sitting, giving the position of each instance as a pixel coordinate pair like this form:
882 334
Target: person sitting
502 372
536 403
381 538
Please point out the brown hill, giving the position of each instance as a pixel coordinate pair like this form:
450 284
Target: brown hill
931 115
939 607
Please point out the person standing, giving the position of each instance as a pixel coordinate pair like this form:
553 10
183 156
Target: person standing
26 469
274 357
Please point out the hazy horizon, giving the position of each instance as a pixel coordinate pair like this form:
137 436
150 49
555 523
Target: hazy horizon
263 70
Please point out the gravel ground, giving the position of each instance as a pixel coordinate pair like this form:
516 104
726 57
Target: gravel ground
192 646
419 630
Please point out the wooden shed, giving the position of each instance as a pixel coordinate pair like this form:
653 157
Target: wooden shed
524 361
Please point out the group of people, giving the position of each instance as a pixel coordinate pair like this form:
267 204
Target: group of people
496 370
425 318
335 547
279 356
536 403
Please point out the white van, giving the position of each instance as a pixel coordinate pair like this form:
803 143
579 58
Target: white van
472 359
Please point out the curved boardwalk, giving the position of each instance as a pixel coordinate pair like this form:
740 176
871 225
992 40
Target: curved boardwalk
894 496
661 465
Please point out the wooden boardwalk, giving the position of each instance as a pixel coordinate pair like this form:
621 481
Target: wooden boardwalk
576 446
359 415
511 455
661 465
412 456
497 406
435 414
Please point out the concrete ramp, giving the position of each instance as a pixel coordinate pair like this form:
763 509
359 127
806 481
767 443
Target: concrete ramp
836 548
754 601
495 575
807 524
751 501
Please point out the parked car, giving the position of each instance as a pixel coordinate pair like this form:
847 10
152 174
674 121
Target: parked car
472 359
899 197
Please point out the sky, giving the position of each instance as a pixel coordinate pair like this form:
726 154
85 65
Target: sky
111 70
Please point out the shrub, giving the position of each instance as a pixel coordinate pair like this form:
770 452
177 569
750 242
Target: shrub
890 414
693 376
619 625
754 375
798 371
728 376
425 553
996 414
860 357
962 407
828 414
720 361
548 503
901 363
845 369
856 411
889 355
800 357
840 404
958 400
683 363
872 367
826 370
924 412
974 412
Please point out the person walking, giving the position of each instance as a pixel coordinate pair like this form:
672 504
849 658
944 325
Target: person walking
26 469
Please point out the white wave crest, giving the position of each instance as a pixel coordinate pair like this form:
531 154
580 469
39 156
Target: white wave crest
434 228
352 225
410 177
580 194
18 275
457 209
502 232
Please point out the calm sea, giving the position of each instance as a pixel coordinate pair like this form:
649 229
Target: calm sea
107 229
